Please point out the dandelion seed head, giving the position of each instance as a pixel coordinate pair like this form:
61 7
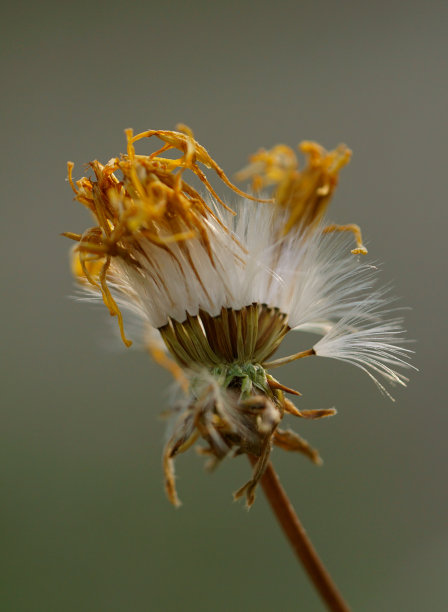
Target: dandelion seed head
217 287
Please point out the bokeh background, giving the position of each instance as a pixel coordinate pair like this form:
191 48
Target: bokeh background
85 523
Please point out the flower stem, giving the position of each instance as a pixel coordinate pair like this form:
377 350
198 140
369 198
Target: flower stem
299 540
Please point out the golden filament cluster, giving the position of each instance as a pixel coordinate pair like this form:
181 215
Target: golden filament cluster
306 193
151 201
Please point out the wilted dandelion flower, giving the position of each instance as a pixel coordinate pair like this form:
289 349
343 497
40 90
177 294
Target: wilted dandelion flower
218 288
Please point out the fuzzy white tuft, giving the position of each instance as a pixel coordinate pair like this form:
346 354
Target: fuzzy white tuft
370 341
310 276
313 278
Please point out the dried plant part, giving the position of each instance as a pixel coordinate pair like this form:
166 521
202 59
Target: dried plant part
150 204
306 193
290 441
218 287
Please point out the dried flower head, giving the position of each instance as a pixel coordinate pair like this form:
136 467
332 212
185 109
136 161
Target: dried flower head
218 289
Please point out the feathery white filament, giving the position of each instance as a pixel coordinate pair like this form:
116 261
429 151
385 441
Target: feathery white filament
310 276
365 339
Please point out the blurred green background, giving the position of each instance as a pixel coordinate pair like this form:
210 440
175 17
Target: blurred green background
85 522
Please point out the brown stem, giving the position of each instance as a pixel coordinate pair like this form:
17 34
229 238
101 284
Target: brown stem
299 541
